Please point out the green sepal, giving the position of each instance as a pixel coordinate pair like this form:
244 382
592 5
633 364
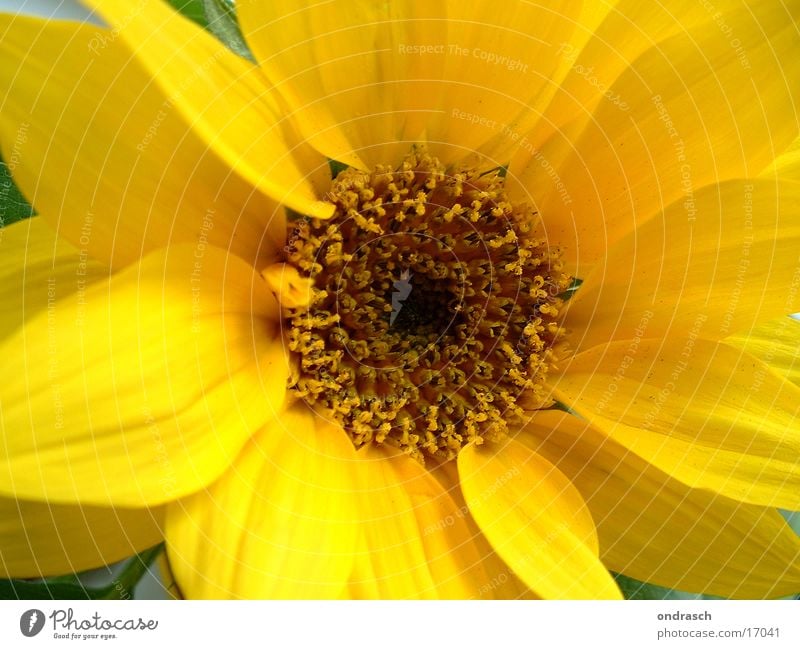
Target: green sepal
192 9
571 289
501 171
558 405
634 589
222 22
336 167
13 206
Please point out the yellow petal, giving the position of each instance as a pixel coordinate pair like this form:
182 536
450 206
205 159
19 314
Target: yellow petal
655 529
278 524
223 96
712 102
775 343
415 542
535 520
365 83
41 539
116 169
705 413
145 387
503 583
33 264
732 263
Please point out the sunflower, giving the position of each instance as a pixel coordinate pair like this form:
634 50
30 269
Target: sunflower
426 300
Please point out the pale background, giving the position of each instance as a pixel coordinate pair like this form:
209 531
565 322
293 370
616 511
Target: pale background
68 9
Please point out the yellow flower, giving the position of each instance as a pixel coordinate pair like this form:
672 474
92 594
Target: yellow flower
357 402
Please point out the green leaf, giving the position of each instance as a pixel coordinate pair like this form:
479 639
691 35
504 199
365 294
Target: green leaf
793 518
136 568
336 167
222 22
20 589
576 284
65 579
501 171
558 405
13 206
192 9
634 589
71 587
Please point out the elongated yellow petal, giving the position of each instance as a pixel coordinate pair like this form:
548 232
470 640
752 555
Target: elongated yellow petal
278 524
145 387
223 96
367 82
415 542
716 100
106 155
535 520
500 58
787 165
730 265
35 266
656 529
775 343
41 539
608 37
705 413
503 582
335 68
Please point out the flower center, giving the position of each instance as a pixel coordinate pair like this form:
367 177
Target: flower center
433 305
